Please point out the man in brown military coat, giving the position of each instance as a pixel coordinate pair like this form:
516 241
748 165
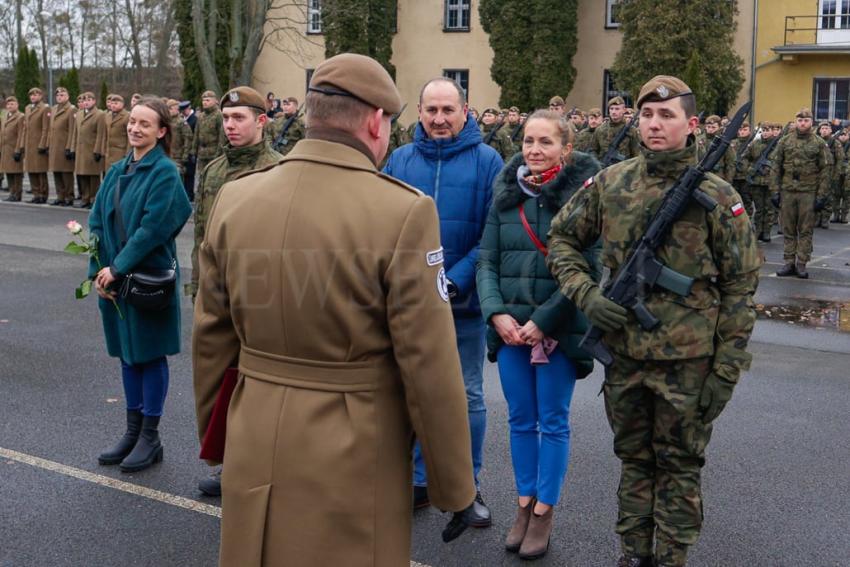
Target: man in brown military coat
115 130
11 156
34 142
324 281
86 144
59 156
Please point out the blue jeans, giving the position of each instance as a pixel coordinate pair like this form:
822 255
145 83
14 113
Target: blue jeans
145 385
539 400
470 346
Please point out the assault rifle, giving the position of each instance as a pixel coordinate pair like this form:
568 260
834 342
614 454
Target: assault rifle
281 139
642 271
763 164
517 130
613 154
492 133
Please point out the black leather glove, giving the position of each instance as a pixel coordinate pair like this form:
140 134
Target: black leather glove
73 155
97 156
458 524
67 154
820 204
42 151
603 312
776 200
716 393
17 156
452 288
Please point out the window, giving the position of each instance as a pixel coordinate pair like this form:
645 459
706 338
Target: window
831 96
314 16
461 77
612 14
835 14
309 78
610 90
457 15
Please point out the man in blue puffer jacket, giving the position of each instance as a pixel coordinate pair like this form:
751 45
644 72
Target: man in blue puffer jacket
449 162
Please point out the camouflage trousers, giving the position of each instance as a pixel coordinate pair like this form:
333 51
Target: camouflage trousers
763 218
798 224
743 189
839 200
660 439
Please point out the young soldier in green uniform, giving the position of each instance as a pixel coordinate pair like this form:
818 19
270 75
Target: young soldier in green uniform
584 139
801 177
666 386
739 176
758 182
725 168
606 132
494 135
839 196
513 128
283 133
836 154
181 143
209 139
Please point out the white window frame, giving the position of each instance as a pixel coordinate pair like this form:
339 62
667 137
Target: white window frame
610 24
457 76
460 8
838 18
833 92
314 17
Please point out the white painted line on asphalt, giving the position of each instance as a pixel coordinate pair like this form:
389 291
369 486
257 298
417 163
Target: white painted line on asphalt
143 491
179 501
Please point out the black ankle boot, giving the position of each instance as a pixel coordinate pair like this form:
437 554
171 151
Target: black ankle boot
121 449
148 449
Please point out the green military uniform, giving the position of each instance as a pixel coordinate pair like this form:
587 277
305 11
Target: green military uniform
842 190
398 138
222 169
739 172
836 158
725 167
209 139
498 139
605 134
654 390
759 188
294 131
584 140
801 175
181 143
515 133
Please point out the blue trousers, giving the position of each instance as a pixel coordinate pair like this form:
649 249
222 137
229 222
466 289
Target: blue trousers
539 400
470 346
145 385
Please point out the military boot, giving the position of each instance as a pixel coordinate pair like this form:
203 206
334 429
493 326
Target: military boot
801 271
121 449
148 449
789 269
634 561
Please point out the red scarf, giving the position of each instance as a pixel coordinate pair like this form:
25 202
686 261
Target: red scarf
536 182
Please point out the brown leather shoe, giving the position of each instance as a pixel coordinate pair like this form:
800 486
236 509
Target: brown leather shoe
513 541
535 544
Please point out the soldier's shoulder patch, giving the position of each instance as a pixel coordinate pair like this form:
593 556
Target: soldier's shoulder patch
399 183
737 209
588 182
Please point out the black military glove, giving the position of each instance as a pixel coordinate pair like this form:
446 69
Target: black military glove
68 154
820 204
451 288
716 393
776 200
458 524
97 156
603 312
17 156
42 151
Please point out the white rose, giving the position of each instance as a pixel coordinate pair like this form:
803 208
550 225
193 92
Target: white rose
74 227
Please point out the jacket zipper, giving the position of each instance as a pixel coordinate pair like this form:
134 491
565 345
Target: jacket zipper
437 178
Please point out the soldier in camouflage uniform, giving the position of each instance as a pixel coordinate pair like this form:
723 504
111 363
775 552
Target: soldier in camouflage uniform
494 135
556 103
181 143
725 168
666 386
285 131
840 195
801 176
836 155
758 182
398 138
606 132
209 139
584 139
739 176
514 129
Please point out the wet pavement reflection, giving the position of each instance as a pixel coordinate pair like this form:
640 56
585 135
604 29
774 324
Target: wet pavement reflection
809 313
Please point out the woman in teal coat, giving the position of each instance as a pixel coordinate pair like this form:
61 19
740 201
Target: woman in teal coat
154 209
533 329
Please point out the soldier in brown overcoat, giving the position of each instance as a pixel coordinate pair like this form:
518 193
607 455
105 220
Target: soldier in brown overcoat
60 162
34 142
11 155
116 144
86 144
336 312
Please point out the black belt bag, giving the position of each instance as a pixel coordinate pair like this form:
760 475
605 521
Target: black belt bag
147 289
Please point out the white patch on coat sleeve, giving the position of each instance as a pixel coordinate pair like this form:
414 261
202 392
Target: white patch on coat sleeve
434 257
443 285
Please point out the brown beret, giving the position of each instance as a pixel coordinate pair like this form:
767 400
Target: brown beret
616 100
209 94
357 76
87 94
805 113
243 96
115 97
594 112
744 124
490 110
513 109
34 90
172 102
556 100
713 119
662 87
11 99
60 90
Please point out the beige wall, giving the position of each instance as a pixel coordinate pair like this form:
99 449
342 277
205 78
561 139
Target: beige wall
597 48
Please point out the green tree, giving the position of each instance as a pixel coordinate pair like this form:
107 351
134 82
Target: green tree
533 42
360 26
104 92
71 81
27 74
193 81
690 38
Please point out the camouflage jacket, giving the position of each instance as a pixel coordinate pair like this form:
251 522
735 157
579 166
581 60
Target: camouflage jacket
717 249
515 134
209 139
224 168
498 140
739 147
802 163
181 142
398 138
836 154
584 140
294 133
752 155
605 134
725 168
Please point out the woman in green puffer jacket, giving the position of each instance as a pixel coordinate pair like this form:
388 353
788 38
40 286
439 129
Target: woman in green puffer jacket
534 330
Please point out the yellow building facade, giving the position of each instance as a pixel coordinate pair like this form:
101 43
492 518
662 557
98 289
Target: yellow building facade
445 38
802 59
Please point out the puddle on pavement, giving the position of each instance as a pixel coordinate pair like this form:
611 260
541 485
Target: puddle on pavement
809 313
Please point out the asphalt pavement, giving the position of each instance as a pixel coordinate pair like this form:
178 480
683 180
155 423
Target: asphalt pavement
776 481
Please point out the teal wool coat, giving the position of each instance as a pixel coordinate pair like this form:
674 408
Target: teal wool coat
512 276
154 207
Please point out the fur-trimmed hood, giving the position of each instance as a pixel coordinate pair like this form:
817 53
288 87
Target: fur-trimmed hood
555 194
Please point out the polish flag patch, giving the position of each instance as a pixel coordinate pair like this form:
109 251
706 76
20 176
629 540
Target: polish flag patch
588 183
737 209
